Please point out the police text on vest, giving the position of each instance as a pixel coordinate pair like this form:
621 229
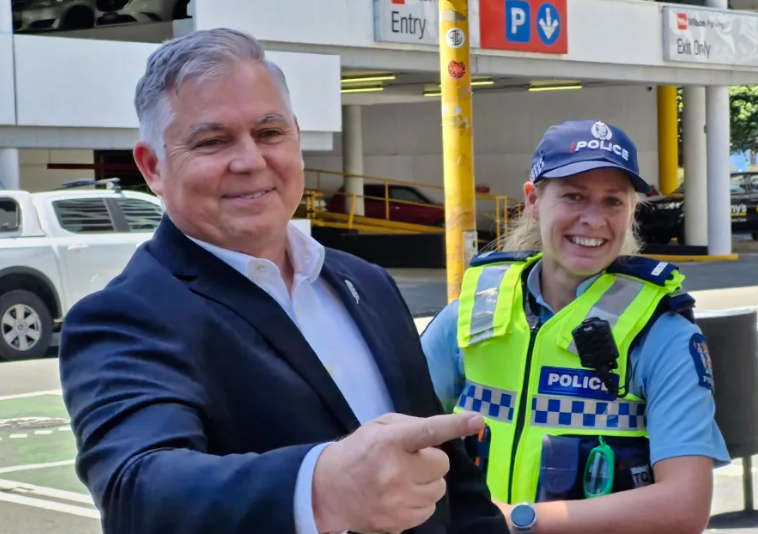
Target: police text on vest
567 382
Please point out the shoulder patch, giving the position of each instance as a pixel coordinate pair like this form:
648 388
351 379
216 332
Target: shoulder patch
493 256
648 269
702 358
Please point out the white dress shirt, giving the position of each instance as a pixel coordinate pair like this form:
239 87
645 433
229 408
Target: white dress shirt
331 332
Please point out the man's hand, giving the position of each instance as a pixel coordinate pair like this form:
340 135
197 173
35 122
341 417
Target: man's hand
388 475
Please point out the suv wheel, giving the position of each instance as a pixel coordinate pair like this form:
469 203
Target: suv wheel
26 327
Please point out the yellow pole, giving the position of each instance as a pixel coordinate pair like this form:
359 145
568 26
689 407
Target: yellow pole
668 145
457 141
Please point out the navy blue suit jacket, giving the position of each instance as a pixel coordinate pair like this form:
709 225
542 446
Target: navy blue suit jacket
194 398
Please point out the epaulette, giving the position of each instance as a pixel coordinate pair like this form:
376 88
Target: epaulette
683 303
680 303
648 269
494 256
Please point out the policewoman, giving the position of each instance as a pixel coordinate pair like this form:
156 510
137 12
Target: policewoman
584 359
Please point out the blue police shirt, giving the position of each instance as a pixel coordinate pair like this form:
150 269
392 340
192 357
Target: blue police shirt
665 372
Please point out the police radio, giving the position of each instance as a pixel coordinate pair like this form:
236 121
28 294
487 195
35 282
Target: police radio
597 350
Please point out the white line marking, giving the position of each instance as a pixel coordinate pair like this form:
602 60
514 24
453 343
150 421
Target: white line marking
17 436
64 429
27 467
50 505
43 432
32 394
22 487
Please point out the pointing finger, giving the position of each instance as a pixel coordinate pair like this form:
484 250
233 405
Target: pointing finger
438 429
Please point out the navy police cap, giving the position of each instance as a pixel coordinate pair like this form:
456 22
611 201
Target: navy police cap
577 146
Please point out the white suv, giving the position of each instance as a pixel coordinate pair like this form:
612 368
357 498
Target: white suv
57 247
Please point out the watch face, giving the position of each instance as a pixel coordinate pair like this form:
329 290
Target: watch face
522 515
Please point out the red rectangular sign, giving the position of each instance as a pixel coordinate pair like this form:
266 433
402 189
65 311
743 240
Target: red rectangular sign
524 25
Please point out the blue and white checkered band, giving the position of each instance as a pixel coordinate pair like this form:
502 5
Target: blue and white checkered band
557 412
491 402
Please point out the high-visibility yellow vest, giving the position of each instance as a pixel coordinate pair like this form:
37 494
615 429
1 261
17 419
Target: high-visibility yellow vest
528 381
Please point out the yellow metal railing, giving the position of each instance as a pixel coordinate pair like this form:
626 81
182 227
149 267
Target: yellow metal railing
315 206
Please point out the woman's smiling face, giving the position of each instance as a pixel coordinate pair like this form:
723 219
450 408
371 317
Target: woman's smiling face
584 220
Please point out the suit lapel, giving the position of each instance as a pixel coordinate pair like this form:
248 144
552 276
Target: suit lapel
210 277
370 324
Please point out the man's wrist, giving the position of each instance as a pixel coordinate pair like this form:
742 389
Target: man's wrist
304 517
328 520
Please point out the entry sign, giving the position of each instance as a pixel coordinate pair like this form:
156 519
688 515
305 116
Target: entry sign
524 25
406 21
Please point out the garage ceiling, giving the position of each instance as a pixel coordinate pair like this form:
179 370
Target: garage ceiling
415 84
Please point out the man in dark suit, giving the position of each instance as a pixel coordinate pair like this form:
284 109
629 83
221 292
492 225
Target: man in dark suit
237 377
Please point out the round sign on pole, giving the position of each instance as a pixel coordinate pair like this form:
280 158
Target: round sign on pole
455 38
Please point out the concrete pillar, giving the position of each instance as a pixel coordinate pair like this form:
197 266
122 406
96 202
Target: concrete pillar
352 156
6 17
695 167
719 167
10 170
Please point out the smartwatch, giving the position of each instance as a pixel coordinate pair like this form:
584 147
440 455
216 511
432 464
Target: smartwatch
524 517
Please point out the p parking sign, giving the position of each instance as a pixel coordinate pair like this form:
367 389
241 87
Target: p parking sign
517 16
524 25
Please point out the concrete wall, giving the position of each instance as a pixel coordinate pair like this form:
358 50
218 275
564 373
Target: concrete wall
35 176
404 141
98 89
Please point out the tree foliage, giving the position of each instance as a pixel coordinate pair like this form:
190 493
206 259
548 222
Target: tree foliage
743 102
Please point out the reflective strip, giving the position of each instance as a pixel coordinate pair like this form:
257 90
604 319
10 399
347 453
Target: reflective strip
562 412
491 402
485 302
614 302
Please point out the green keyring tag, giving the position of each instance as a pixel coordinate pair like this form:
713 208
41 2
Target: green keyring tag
599 471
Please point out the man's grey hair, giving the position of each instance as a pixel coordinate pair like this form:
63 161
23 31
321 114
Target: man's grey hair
201 56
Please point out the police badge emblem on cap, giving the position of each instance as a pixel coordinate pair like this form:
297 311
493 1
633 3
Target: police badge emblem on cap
601 131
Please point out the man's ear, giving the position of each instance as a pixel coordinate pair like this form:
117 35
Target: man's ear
148 164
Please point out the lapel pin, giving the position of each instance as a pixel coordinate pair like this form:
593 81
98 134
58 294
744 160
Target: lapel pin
351 287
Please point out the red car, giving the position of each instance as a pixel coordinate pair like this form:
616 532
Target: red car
407 204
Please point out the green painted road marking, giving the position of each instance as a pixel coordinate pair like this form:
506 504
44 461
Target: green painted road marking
58 445
62 478
42 406
37 449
